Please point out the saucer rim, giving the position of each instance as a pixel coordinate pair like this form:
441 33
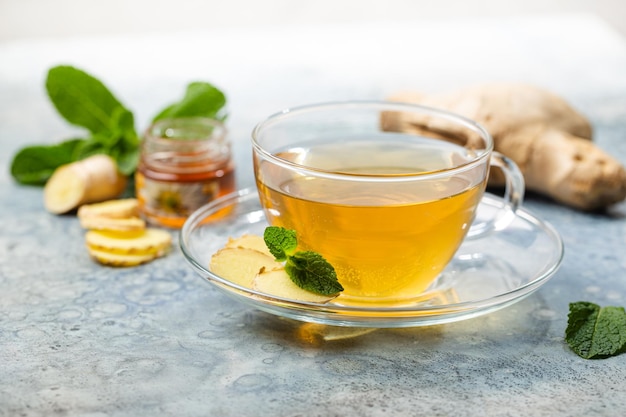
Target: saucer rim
381 316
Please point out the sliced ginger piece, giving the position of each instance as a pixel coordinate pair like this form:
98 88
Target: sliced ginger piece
89 180
249 241
121 259
114 209
277 282
247 261
116 224
151 241
240 265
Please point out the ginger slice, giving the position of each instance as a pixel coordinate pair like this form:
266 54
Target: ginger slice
249 241
247 261
240 265
277 282
114 209
110 223
149 242
121 259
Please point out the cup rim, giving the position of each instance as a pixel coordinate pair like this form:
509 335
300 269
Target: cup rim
383 105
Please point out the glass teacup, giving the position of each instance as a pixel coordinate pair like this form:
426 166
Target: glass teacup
386 192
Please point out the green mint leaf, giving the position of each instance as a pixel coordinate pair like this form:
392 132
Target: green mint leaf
85 101
311 272
127 158
280 241
34 165
82 99
123 119
93 145
307 269
126 147
121 143
201 100
594 331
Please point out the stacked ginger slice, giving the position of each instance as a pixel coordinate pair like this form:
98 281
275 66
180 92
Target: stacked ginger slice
117 236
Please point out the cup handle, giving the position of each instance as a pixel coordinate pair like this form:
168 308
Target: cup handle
513 196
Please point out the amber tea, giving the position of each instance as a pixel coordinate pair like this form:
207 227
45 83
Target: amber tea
386 192
388 241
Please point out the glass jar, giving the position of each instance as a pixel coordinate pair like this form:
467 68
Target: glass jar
184 164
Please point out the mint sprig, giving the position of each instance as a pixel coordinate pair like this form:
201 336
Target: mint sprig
201 99
84 101
307 269
595 332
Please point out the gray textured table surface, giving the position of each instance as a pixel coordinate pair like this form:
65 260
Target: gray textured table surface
79 339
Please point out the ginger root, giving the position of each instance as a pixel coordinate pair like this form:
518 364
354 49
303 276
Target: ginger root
89 180
547 139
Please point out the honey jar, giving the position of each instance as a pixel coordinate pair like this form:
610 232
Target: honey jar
184 164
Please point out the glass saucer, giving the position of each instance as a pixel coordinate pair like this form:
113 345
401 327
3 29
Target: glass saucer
486 274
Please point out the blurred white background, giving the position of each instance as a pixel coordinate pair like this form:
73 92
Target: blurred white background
22 19
273 54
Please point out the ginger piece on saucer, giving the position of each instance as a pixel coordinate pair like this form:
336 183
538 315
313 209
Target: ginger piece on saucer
240 265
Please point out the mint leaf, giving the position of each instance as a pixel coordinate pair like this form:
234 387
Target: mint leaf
201 99
127 157
311 272
85 101
34 165
596 332
280 241
121 143
125 149
82 99
307 269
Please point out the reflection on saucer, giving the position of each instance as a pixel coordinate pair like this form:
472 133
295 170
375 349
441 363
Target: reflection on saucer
316 333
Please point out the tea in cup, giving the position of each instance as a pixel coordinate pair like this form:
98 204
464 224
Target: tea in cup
386 192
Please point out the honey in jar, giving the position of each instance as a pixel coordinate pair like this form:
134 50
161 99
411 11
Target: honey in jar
184 164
